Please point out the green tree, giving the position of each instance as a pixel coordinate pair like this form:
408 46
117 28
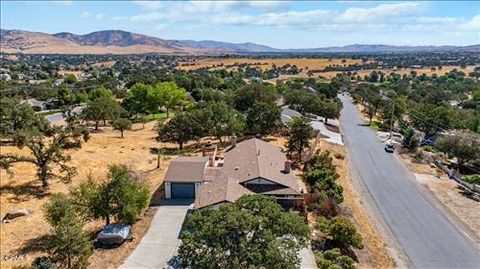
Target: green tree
140 100
101 92
180 129
253 232
122 124
122 196
333 259
330 110
169 95
65 95
245 97
464 144
431 119
69 244
262 118
102 109
373 103
341 232
18 119
322 175
410 140
48 152
224 120
300 131
58 207
70 79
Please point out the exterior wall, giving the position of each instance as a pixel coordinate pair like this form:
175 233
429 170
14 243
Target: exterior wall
197 185
168 190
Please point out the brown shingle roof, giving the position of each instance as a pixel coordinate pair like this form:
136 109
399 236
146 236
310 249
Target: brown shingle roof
221 189
258 159
186 169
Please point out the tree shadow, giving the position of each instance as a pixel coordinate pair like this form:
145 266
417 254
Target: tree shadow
174 263
37 244
322 244
24 192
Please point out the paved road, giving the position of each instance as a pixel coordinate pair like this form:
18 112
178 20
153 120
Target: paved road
427 237
58 117
161 242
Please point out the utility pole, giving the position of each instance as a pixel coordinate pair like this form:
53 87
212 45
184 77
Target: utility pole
391 118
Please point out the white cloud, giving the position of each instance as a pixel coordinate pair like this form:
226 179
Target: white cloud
86 14
382 18
99 16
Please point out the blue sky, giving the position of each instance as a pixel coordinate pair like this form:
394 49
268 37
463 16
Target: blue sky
279 24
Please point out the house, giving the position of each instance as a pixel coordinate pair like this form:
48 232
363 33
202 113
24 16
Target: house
251 166
184 176
36 104
288 114
5 77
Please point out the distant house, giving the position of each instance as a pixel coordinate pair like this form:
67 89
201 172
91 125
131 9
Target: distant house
5 77
288 114
251 166
36 104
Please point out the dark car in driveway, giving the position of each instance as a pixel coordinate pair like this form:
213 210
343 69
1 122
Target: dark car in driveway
389 148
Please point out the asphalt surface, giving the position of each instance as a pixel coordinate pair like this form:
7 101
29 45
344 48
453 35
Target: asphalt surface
58 117
159 246
428 238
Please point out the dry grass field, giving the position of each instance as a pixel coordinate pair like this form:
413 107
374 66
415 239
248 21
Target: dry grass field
26 234
264 64
307 64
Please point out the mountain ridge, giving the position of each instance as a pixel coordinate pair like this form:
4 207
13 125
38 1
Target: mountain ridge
123 42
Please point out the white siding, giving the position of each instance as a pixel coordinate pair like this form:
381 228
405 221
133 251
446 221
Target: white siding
168 190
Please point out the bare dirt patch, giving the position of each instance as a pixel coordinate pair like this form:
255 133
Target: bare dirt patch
375 254
448 194
22 190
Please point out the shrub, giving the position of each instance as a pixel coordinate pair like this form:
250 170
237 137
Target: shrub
341 232
70 245
43 262
59 207
121 196
333 259
410 140
472 179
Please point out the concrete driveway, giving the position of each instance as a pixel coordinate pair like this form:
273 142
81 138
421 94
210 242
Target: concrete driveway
161 242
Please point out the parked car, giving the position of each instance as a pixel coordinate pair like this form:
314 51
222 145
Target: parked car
389 147
114 235
426 142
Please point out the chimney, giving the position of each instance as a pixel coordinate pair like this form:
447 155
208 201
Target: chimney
288 165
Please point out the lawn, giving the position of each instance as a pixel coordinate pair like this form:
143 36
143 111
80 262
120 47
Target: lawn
157 116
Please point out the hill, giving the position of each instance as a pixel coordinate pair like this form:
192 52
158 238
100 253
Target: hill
122 42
